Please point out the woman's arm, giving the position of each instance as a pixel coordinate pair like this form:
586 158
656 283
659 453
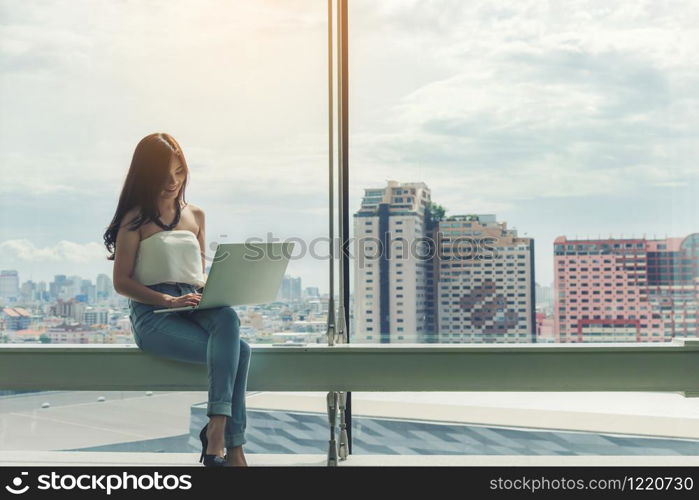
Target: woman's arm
124 260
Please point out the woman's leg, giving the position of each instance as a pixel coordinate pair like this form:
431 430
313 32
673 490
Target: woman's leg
225 321
175 336
235 426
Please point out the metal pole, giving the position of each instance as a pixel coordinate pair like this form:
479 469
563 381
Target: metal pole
343 118
341 327
332 396
331 208
342 159
331 399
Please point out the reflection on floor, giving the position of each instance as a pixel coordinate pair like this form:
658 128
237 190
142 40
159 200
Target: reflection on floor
307 433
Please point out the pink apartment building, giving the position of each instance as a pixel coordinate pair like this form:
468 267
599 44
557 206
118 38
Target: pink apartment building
626 290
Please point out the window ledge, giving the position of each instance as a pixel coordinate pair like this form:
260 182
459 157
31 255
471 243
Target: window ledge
671 367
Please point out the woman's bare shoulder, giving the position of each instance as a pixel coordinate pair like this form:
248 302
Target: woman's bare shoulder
196 209
130 216
198 214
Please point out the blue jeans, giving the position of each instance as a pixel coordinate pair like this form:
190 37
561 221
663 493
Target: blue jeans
210 336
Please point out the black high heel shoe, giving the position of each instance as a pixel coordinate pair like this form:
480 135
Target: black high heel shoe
209 460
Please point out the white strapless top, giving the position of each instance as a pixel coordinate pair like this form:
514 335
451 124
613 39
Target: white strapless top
169 256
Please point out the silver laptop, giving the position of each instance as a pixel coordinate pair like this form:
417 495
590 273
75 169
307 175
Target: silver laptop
243 273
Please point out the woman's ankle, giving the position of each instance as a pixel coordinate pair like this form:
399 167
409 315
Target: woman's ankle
236 458
215 433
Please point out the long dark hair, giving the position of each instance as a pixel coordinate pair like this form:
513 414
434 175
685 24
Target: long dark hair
145 180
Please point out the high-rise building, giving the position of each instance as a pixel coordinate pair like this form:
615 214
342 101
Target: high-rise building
75 286
95 316
88 290
9 284
42 293
103 286
27 292
390 276
68 309
544 298
626 290
485 281
290 290
58 285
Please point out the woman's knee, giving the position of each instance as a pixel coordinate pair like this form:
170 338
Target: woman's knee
245 349
224 314
235 315
228 318
231 315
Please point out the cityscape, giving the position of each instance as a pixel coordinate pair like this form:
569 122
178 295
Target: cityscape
474 280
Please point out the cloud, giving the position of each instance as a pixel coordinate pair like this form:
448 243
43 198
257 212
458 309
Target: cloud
543 101
24 251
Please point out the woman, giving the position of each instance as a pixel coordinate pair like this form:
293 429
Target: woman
156 241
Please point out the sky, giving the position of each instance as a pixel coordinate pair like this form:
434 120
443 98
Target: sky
575 118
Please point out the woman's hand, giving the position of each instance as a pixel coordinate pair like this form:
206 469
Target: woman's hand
189 299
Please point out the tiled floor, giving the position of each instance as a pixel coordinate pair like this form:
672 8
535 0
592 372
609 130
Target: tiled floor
296 432
403 425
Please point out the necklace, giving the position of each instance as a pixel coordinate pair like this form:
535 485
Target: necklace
170 227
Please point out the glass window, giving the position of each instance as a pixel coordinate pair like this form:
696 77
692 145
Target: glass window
554 123
242 87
